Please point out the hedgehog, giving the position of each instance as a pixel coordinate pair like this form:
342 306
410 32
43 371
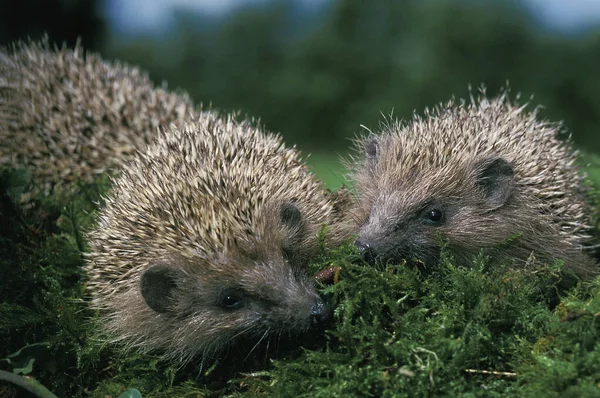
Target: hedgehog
479 176
66 115
204 242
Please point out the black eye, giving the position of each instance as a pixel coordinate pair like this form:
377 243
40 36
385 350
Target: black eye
288 252
435 215
231 300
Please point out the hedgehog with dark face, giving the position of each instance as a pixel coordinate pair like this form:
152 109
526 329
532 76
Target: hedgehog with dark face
205 239
482 175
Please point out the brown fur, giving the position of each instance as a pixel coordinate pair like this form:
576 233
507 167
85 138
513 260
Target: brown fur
226 208
498 176
66 115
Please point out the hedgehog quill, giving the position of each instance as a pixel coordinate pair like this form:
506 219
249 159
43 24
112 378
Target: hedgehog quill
472 176
67 115
205 238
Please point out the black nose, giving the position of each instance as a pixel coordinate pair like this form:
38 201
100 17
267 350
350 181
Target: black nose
365 250
320 314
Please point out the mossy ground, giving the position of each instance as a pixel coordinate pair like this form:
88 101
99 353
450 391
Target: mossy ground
482 331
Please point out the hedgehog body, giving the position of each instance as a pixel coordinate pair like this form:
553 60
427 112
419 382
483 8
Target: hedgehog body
481 175
66 115
204 240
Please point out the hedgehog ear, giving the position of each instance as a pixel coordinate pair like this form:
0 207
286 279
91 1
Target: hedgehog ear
157 285
291 215
496 179
370 146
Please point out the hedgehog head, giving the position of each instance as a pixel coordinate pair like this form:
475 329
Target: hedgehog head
468 177
250 290
411 217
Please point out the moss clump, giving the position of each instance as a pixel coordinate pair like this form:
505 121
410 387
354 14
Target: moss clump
397 332
565 362
41 288
457 331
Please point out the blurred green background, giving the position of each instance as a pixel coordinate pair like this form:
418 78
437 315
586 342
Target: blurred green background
317 70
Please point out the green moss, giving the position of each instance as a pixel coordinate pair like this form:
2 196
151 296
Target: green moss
42 290
481 331
398 332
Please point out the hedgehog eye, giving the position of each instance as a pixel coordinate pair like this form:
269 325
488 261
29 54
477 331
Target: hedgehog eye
288 252
231 300
434 216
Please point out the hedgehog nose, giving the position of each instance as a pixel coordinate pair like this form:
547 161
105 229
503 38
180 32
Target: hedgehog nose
320 314
365 250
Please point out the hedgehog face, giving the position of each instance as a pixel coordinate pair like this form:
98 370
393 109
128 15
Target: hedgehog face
262 300
410 214
247 293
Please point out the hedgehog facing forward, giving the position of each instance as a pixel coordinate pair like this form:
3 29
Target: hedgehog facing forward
205 240
472 176
65 115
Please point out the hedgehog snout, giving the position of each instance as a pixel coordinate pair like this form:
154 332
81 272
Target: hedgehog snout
366 250
321 314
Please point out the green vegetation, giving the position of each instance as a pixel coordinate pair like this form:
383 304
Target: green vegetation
397 332
317 77
328 168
